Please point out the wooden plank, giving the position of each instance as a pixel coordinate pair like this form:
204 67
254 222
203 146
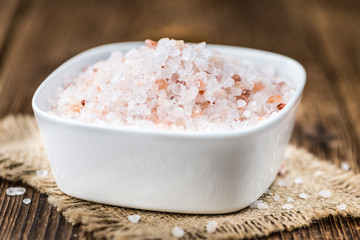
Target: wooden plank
7 10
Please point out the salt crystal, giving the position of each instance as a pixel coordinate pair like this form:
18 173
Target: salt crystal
134 218
276 197
125 90
298 180
268 191
318 173
287 155
241 103
341 207
177 232
41 173
259 204
287 206
303 196
211 226
345 166
283 168
15 191
26 200
284 183
325 193
289 199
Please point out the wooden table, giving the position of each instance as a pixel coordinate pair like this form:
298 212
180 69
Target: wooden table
37 36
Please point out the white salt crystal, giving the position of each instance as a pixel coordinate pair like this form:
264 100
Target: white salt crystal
289 199
325 193
262 206
287 155
26 200
41 173
177 232
284 183
12 191
259 204
298 180
287 206
241 103
134 218
303 196
211 226
345 166
318 173
341 206
276 197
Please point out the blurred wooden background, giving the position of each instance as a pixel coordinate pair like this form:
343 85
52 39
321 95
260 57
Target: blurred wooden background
324 35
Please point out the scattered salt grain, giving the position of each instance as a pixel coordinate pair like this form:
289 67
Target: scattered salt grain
287 155
284 183
298 180
211 226
318 173
303 196
287 206
134 218
325 193
41 173
276 197
27 200
341 206
289 199
345 166
145 87
177 232
259 204
15 191
283 169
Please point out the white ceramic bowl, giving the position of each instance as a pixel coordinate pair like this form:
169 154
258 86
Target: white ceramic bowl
166 171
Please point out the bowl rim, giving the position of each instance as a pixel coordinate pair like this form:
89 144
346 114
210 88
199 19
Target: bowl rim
159 132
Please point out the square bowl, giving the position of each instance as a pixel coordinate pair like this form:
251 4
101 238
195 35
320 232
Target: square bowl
187 172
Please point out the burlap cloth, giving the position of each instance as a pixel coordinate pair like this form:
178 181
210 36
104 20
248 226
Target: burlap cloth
22 153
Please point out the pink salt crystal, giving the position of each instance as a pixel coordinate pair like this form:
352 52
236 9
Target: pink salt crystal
150 43
177 232
283 169
143 87
211 226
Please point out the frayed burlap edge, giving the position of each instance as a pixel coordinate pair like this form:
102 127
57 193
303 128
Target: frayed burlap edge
22 153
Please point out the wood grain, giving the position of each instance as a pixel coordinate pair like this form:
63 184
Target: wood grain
37 36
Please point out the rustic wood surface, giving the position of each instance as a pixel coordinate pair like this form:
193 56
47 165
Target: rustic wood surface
37 36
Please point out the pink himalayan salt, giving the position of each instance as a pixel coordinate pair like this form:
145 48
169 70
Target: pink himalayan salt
172 85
